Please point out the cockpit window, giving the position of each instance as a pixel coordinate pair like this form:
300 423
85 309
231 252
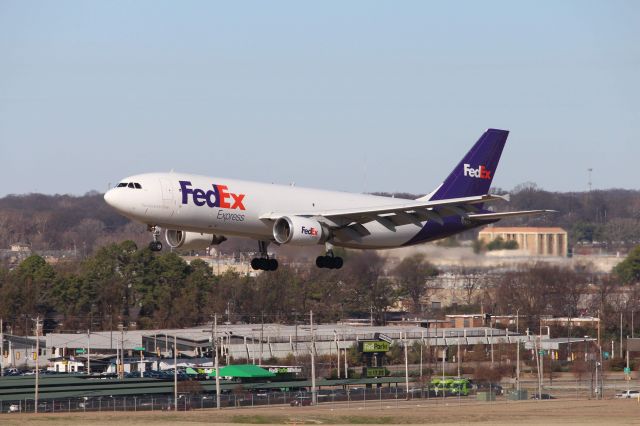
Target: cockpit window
135 185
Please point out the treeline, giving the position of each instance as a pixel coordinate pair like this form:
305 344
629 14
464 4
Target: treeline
609 216
121 284
63 222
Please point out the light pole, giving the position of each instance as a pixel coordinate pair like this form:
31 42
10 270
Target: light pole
37 359
175 372
620 335
518 367
314 391
216 361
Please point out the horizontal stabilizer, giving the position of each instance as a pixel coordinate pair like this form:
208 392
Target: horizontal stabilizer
504 215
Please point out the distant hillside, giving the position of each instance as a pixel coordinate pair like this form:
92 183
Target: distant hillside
54 222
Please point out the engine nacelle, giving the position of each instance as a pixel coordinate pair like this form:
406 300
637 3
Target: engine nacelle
297 230
186 240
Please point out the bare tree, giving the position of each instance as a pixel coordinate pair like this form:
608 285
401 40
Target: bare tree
413 275
472 279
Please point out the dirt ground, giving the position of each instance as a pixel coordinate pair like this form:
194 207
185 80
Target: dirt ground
618 412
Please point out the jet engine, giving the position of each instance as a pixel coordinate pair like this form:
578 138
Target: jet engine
298 230
186 240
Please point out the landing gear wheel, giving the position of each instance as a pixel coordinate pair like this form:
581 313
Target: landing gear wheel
272 264
155 246
263 263
256 263
329 262
337 262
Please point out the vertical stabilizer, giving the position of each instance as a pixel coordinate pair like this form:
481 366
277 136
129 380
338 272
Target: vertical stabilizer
473 175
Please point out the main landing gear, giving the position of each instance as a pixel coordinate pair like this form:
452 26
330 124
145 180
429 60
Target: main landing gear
154 245
329 261
263 263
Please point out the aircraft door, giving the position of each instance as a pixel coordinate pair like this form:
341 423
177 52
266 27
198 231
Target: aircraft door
168 194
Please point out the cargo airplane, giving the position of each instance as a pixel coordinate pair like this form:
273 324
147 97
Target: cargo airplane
199 211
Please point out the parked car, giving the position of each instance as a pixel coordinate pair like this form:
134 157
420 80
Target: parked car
14 408
542 396
300 401
489 387
628 394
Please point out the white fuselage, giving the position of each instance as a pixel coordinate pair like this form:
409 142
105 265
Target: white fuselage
234 207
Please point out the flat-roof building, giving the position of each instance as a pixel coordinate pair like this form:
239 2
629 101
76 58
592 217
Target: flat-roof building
537 241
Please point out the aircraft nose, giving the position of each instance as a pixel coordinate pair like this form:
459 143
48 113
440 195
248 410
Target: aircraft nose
108 197
111 197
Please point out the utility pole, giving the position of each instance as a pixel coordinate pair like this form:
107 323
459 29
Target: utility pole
346 367
541 362
1 348
175 372
597 382
537 353
444 348
598 328
458 356
314 391
421 352
117 359
110 329
491 344
88 351
295 351
216 362
37 356
518 367
121 372
628 375
620 335
335 338
261 337
406 365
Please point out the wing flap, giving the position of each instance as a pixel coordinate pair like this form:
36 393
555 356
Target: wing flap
503 215
366 214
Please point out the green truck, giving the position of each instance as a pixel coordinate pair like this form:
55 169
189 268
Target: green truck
451 386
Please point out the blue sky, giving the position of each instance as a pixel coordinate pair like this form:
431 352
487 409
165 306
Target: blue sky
355 96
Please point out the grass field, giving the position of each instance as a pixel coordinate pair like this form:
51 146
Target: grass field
618 412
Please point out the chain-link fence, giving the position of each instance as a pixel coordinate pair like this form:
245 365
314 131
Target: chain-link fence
331 398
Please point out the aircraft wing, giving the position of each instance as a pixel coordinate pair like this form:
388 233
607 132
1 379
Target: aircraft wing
503 215
391 216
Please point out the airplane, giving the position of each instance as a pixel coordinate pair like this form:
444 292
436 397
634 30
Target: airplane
199 211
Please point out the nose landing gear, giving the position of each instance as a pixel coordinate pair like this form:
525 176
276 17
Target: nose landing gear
154 245
264 263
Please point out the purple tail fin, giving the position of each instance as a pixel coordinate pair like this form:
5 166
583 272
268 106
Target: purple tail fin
473 175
